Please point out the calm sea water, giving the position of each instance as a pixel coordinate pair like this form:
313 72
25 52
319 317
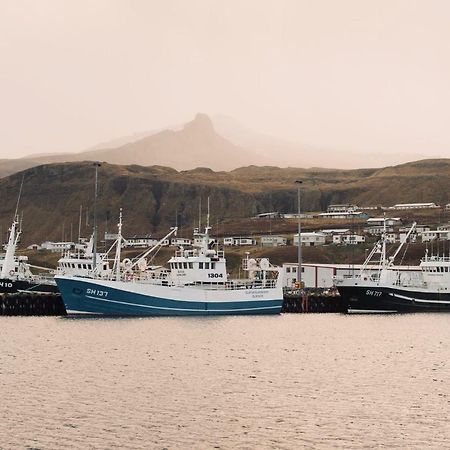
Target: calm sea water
289 381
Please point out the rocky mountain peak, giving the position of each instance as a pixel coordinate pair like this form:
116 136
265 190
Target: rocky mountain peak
201 123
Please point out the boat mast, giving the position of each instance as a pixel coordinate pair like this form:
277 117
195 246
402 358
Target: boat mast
119 246
79 224
94 247
8 263
383 250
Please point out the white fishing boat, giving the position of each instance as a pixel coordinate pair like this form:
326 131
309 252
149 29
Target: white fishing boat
196 282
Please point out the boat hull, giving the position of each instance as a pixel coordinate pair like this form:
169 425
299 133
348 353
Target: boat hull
117 298
8 286
377 299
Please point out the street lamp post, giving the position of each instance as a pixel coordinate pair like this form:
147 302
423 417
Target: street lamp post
299 241
94 243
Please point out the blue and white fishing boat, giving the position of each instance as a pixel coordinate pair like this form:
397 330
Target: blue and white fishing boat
196 283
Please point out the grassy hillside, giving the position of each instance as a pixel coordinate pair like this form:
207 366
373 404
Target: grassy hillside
154 198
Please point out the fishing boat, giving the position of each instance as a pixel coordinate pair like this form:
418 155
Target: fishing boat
391 289
195 283
15 274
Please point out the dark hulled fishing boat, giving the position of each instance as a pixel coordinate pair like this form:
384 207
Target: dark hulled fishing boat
425 288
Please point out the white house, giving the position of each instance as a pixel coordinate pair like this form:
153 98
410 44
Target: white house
239 241
198 241
57 246
377 230
140 241
379 221
414 206
333 231
348 239
310 239
447 206
343 215
417 229
179 241
273 241
295 216
342 208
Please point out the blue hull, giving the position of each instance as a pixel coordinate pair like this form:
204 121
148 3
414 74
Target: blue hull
77 299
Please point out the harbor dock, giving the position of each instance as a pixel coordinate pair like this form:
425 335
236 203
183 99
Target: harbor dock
311 301
31 304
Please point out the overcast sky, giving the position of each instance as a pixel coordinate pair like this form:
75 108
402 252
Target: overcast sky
355 74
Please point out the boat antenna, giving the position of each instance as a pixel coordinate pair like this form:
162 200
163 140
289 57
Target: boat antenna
20 195
200 214
207 215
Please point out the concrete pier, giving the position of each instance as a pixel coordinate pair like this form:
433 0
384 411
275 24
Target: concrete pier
31 304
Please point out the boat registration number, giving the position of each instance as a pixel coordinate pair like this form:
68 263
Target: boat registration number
373 293
97 292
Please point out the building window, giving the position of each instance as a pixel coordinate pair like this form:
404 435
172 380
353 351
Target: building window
200 265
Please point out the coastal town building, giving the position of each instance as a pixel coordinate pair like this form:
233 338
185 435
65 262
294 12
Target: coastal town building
179 241
56 246
269 215
334 231
310 239
140 241
418 229
348 239
413 206
343 215
342 208
377 230
239 241
273 241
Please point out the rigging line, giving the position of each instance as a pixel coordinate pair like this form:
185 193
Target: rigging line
20 194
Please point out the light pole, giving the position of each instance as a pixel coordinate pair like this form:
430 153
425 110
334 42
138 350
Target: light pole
299 241
94 243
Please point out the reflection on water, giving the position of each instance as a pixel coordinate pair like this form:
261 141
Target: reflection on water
290 381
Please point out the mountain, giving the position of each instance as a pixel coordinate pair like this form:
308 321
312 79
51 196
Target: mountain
154 198
192 145
220 143
195 144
